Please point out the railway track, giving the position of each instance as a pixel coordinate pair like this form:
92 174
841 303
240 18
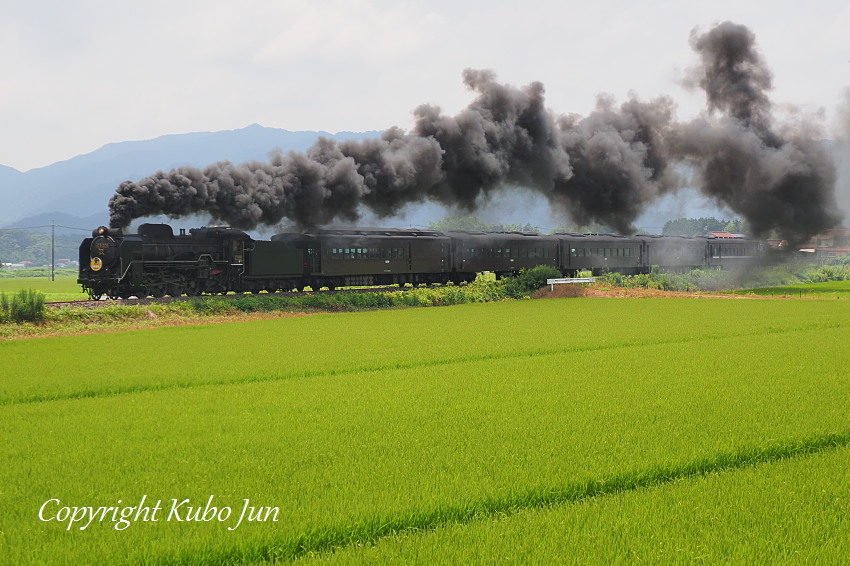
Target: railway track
90 304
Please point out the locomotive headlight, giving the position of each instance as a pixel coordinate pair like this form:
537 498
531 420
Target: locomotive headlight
102 231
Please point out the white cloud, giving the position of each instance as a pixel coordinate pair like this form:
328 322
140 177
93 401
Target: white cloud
82 74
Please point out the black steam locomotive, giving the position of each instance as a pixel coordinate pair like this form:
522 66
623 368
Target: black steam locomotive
156 262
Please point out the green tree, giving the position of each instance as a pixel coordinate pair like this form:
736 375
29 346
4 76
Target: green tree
699 226
592 228
529 280
736 226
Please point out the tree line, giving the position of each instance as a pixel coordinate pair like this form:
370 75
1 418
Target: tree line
702 226
17 246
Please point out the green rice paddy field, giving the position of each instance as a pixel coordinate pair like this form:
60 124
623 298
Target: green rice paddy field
62 288
564 430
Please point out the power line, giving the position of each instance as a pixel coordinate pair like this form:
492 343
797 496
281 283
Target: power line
27 227
48 226
74 228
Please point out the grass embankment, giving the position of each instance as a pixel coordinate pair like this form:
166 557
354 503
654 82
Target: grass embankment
733 281
826 290
485 289
359 426
74 319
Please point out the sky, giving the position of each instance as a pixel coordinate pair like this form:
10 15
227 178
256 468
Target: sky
78 75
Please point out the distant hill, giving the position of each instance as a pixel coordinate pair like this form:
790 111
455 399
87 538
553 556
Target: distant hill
78 189
62 222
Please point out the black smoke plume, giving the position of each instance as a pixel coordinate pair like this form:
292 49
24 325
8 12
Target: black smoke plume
780 181
605 167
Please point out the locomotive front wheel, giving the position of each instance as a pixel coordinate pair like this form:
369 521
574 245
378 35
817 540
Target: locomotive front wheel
95 296
156 291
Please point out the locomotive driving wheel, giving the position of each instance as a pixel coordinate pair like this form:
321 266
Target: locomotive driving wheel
192 288
156 290
174 289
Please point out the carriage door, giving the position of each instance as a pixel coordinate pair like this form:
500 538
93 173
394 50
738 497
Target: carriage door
314 259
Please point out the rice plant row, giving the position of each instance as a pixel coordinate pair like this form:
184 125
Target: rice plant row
182 357
364 438
792 510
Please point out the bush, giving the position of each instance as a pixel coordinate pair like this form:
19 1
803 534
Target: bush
529 280
26 305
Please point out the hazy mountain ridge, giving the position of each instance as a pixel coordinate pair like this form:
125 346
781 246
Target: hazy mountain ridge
81 186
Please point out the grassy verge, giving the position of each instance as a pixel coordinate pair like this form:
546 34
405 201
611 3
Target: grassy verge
792 273
108 317
24 306
825 290
72 319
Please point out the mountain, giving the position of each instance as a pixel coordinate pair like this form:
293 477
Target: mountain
62 222
80 187
9 175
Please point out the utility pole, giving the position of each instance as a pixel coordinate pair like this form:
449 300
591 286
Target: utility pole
52 249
